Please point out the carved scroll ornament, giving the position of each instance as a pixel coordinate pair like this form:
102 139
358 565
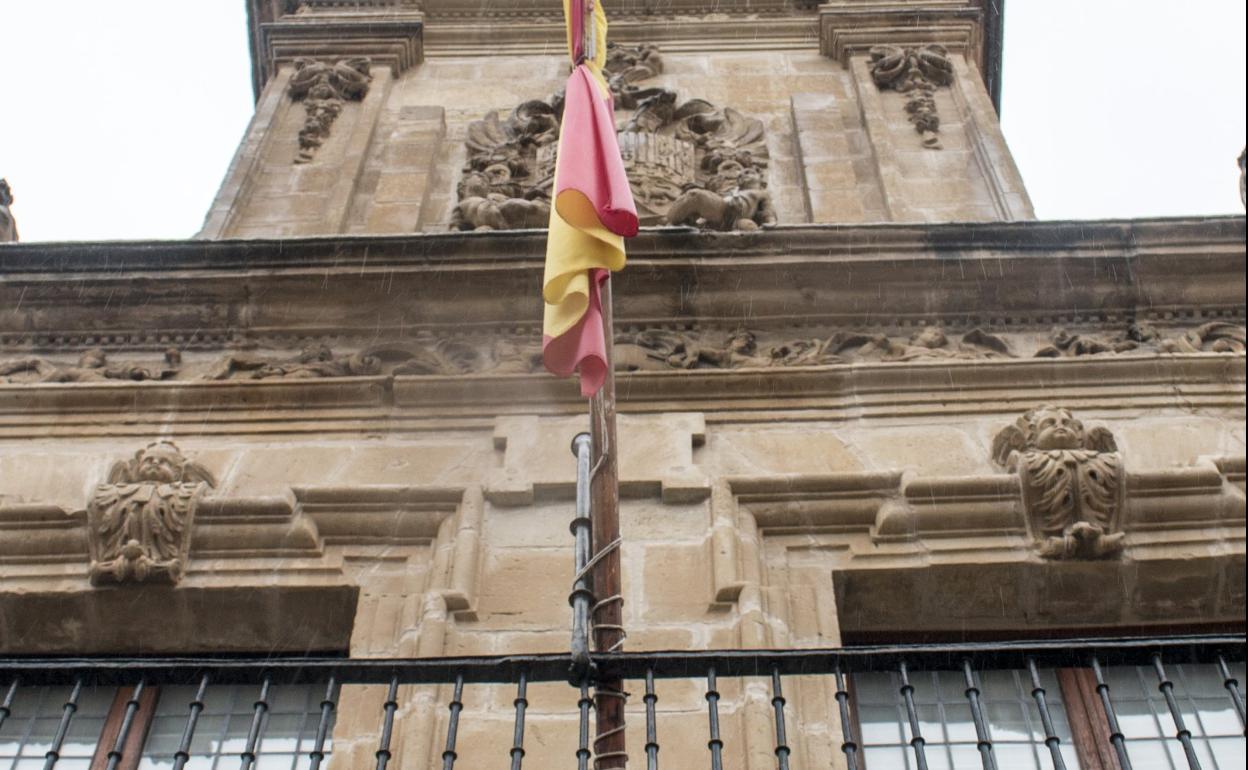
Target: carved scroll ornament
140 519
1072 482
915 73
324 89
689 163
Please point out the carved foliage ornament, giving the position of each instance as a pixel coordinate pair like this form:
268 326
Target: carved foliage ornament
1072 482
324 88
688 162
139 521
915 73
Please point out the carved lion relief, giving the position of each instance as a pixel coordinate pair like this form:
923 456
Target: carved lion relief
139 520
689 162
1072 482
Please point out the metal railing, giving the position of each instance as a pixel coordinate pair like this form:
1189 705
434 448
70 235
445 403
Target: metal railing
644 667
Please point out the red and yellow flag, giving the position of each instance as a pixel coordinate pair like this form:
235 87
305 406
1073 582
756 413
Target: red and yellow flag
593 208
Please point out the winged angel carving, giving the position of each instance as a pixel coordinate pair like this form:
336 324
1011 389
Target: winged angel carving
140 519
1072 482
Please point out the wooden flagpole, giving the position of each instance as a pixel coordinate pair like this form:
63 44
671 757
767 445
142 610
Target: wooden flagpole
608 616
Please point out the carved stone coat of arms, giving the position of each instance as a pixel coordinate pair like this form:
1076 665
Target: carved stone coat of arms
140 519
1072 482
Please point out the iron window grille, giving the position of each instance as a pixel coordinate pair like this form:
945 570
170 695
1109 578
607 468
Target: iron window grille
1179 670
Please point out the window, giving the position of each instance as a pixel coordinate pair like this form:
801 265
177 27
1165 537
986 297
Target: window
288 729
1016 730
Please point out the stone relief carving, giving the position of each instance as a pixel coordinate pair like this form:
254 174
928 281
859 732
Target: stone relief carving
915 73
688 162
324 88
312 361
1072 482
1212 337
644 349
93 366
8 225
139 520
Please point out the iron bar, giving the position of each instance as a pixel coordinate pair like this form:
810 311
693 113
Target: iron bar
652 730
6 707
1229 682
582 596
517 741
1046 719
582 746
553 667
1116 738
984 738
849 747
127 721
67 715
1183 735
183 754
917 742
452 728
777 703
257 726
328 704
387 723
715 744
608 612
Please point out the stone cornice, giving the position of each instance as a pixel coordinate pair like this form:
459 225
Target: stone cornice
796 274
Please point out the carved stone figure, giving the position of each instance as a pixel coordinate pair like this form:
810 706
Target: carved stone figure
313 361
92 366
139 521
324 88
746 207
8 226
1072 482
915 73
1214 337
932 342
480 209
712 161
1068 345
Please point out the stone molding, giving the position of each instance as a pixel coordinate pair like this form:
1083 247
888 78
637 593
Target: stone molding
391 39
848 28
283 551
890 541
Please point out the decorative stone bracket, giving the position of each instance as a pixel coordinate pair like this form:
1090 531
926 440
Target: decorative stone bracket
915 73
324 89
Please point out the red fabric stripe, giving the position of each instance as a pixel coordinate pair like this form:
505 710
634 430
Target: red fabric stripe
589 159
584 346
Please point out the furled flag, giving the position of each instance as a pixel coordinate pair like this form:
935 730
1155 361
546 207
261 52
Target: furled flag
593 208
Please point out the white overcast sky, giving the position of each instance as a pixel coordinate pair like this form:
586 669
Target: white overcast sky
118 119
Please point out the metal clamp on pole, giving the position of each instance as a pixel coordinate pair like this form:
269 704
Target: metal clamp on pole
582 597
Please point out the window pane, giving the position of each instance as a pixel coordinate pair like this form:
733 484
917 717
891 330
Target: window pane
28 732
288 729
1012 717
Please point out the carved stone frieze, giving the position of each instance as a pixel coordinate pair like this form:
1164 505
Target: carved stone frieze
92 366
324 88
916 73
689 162
8 226
312 361
1140 337
139 520
1072 482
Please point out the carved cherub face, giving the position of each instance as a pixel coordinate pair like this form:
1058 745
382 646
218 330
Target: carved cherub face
1052 427
931 337
742 342
161 463
92 359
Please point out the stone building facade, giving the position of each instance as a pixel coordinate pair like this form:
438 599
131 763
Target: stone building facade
865 397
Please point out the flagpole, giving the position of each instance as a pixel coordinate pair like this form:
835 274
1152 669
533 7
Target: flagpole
608 620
